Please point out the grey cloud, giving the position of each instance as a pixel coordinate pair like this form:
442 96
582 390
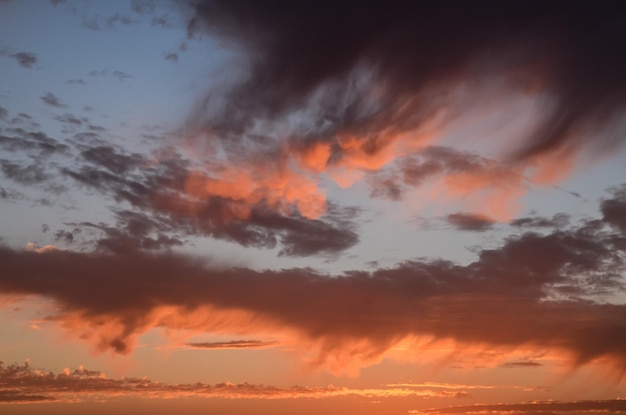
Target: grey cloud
24 174
25 59
558 220
469 222
52 100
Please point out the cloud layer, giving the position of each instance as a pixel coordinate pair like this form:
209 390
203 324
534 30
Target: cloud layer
23 384
545 285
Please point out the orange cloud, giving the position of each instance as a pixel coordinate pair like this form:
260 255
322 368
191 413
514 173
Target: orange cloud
23 384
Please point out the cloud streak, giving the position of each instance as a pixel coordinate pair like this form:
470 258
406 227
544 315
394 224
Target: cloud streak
616 406
23 384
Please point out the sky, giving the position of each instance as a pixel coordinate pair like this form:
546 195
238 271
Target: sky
281 207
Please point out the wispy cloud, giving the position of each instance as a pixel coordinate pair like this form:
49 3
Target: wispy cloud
234 344
22 384
614 406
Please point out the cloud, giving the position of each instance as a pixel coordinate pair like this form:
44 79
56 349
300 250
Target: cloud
486 185
616 406
172 57
469 222
523 363
119 75
379 71
34 144
614 209
549 287
252 208
109 22
23 174
22 384
559 220
25 59
70 120
52 100
234 344
76 82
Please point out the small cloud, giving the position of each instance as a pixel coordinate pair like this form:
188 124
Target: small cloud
33 247
470 222
117 74
160 21
121 75
522 363
235 344
76 82
52 100
172 57
143 7
25 59
69 119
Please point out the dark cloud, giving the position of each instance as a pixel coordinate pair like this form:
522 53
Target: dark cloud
523 363
67 237
25 59
70 120
9 194
23 174
377 70
3 113
559 220
112 159
545 286
234 344
469 222
132 233
52 100
614 209
33 144
163 191
173 57
613 406
119 75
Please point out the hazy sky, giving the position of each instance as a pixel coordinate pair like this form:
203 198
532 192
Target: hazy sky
323 207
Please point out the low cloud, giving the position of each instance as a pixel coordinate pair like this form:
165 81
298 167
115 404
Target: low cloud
613 406
547 286
233 344
23 384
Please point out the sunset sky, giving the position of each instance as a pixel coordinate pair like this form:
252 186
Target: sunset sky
326 207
